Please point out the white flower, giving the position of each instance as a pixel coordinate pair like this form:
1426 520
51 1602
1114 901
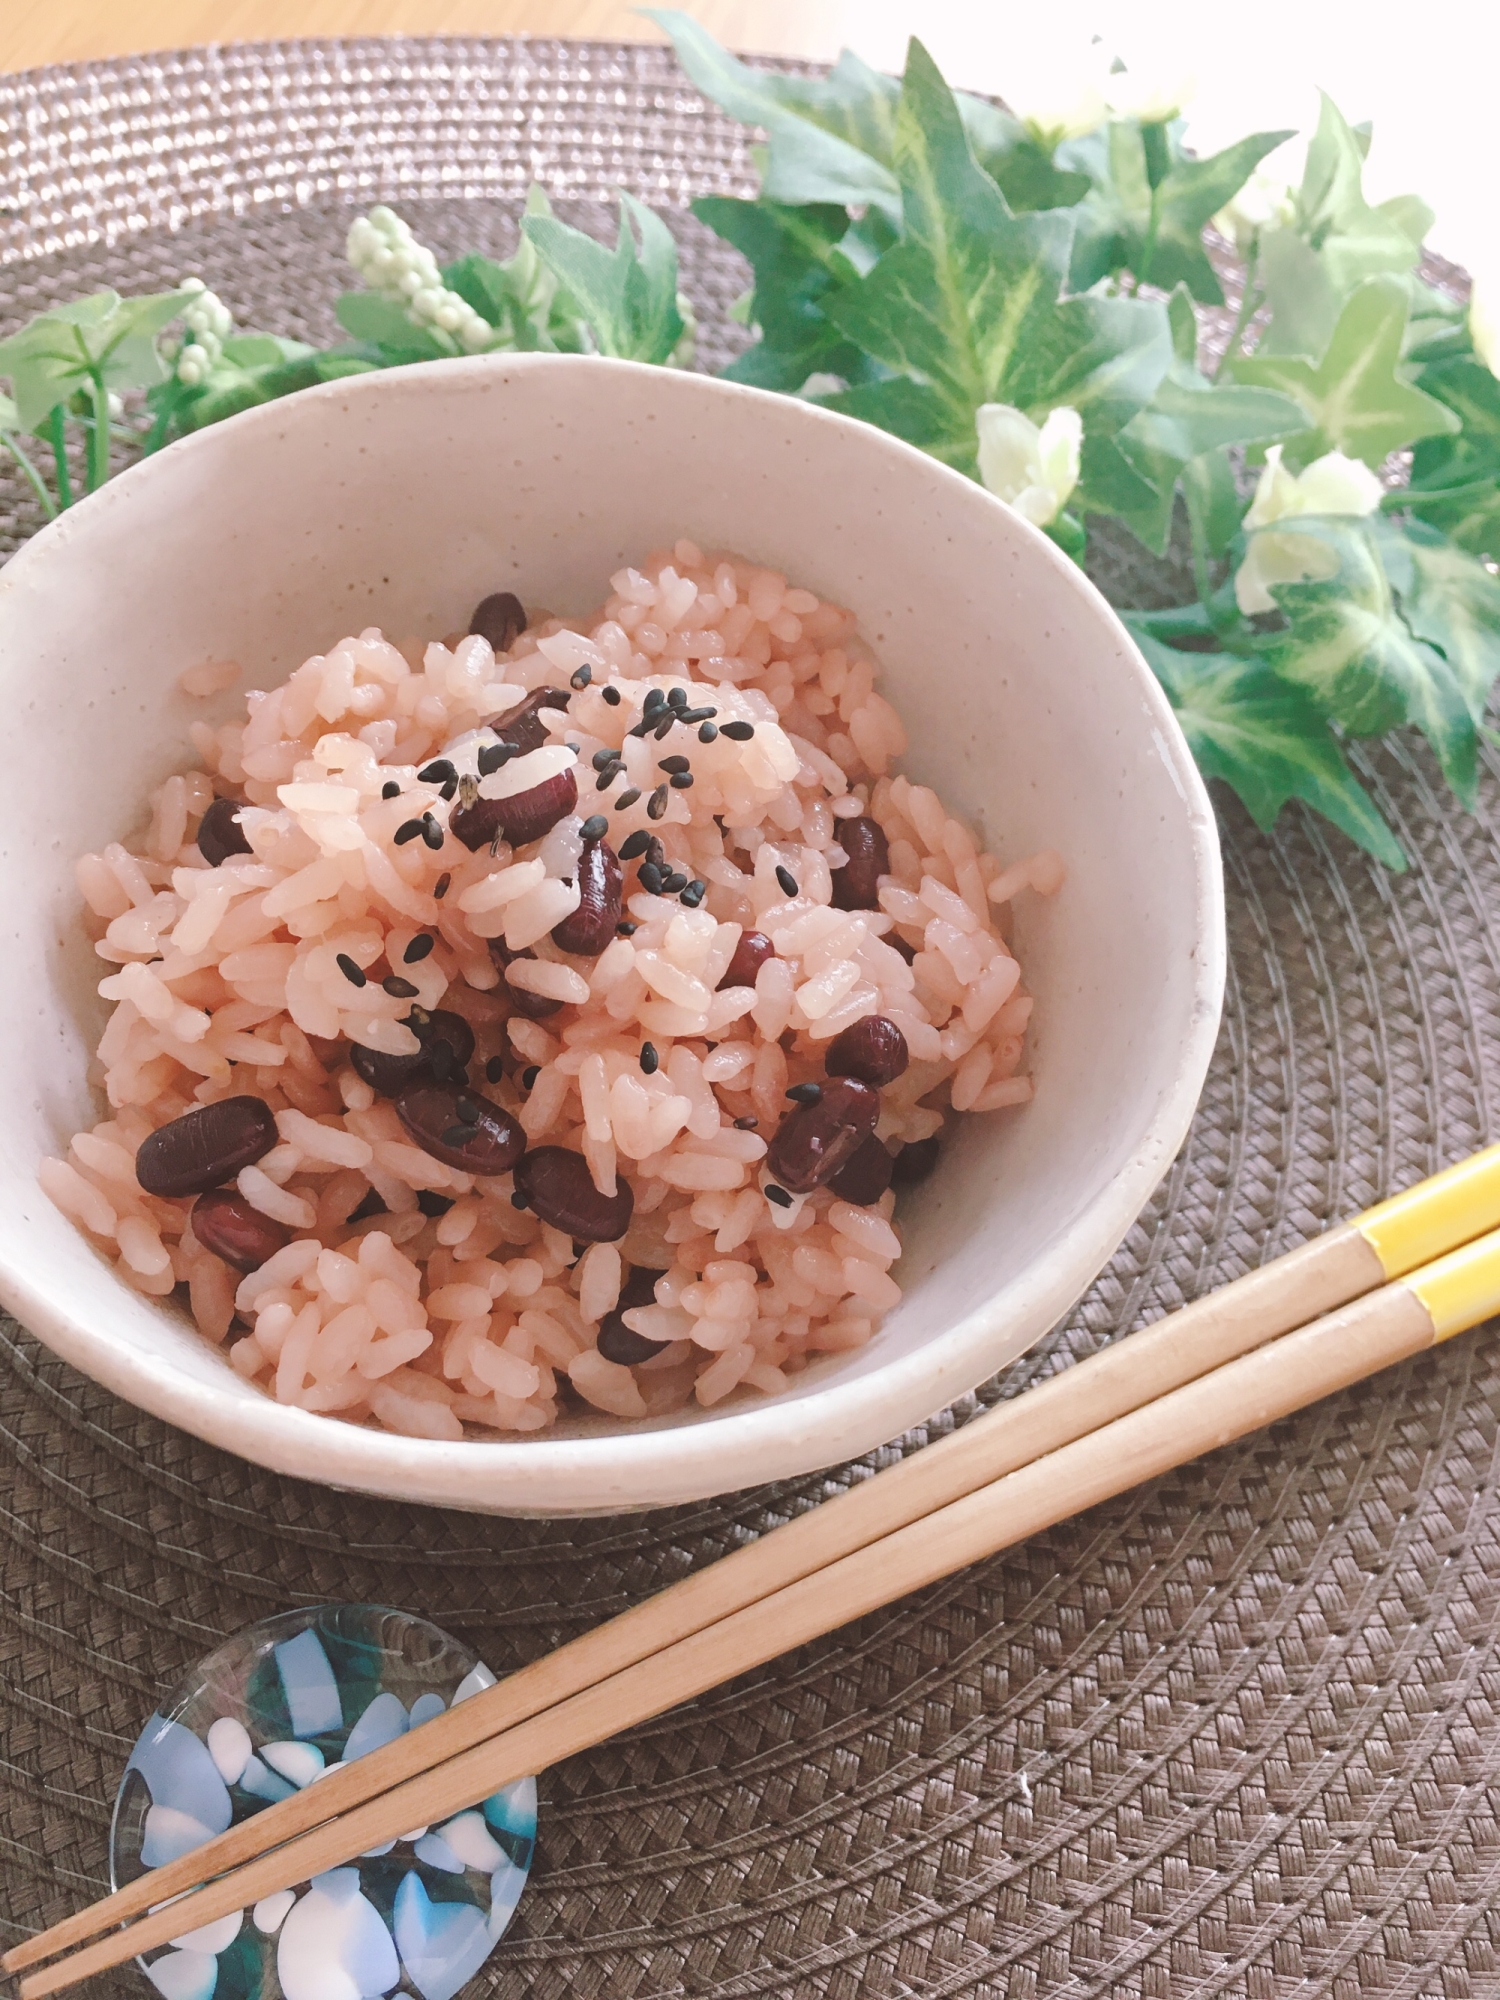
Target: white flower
1332 484
1484 324
393 263
1057 87
1032 468
1264 203
209 324
1152 95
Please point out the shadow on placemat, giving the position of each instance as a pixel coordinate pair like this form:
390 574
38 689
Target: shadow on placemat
1232 1734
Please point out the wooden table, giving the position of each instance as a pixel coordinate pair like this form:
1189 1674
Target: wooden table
33 32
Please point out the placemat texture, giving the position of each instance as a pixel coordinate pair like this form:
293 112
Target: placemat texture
1234 1734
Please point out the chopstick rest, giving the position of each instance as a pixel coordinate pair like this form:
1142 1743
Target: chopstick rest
264 1717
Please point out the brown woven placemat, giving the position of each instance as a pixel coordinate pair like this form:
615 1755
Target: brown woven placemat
1234 1734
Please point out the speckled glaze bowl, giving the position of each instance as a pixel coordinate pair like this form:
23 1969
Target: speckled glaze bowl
400 500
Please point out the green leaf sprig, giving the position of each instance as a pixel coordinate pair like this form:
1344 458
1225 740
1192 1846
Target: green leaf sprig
1025 306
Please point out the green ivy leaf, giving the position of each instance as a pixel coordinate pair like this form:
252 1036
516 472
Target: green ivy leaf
628 298
1455 480
968 307
832 139
1354 240
1348 647
1189 418
1356 398
1148 216
1448 599
61 350
1336 241
1266 741
798 264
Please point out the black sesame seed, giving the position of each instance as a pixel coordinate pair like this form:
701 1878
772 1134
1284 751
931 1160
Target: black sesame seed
708 732
440 887
625 928
650 878
582 677
656 805
693 894
432 833
656 854
674 883
805 1093
740 732
677 697
777 1194
682 781
390 789
398 988
493 755
437 772
433 1204
667 724
611 695
634 844
409 831
627 798
602 759
468 1110
352 972
418 949
697 715
450 786
745 1124
640 729
594 827
654 699
672 765
494 1070
650 1060
606 778
460 1135
518 1200
529 1075
787 880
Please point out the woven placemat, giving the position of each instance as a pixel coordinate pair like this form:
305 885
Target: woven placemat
1233 1734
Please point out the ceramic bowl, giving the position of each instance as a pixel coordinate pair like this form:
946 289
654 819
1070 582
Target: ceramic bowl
401 499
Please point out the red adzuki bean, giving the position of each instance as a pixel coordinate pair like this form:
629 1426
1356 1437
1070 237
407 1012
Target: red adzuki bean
588 929
814 1140
225 1223
619 1342
461 1127
873 1049
524 816
865 1175
856 885
206 1147
500 619
220 833
437 1032
750 954
559 1187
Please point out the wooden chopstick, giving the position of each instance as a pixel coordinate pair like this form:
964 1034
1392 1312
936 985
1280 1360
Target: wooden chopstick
1395 1322
1343 1264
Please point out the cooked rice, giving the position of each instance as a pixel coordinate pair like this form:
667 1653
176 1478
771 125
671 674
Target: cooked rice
227 984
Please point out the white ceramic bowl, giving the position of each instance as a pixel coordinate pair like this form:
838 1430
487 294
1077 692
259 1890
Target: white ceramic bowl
401 499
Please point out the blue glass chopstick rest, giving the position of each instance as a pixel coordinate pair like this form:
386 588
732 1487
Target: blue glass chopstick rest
269 1712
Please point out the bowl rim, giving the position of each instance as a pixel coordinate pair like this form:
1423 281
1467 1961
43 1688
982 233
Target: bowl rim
644 1466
